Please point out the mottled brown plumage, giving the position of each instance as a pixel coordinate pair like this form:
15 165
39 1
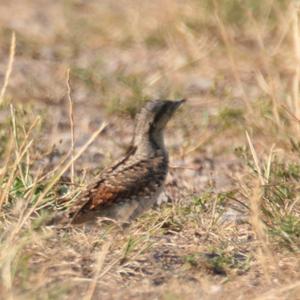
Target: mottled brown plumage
134 183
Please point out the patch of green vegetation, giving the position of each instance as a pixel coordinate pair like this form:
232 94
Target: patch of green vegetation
134 244
280 216
286 170
155 39
18 187
53 291
237 13
169 217
279 208
223 197
295 145
230 117
191 259
4 139
173 223
219 261
195 25
171 296
243 153
89 76
129 247
21 186
22 269
84 74
287 230
127 41
264 109
264 106
201 202
62 189
206 200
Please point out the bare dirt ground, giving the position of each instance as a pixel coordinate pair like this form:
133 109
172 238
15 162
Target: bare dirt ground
229 227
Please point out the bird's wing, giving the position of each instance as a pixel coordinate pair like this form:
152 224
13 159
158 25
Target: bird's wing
85 195
118 185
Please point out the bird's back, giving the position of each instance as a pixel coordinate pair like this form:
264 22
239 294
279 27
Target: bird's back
125 190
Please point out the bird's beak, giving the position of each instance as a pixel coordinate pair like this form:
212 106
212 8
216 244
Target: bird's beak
181 101
178 103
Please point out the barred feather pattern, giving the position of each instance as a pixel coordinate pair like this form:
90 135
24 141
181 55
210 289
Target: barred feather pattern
123 191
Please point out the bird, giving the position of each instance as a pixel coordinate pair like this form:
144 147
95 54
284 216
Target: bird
133 184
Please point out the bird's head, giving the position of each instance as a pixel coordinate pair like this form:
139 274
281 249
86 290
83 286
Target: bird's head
153 118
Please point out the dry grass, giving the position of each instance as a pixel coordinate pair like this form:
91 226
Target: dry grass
231 228
9 66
